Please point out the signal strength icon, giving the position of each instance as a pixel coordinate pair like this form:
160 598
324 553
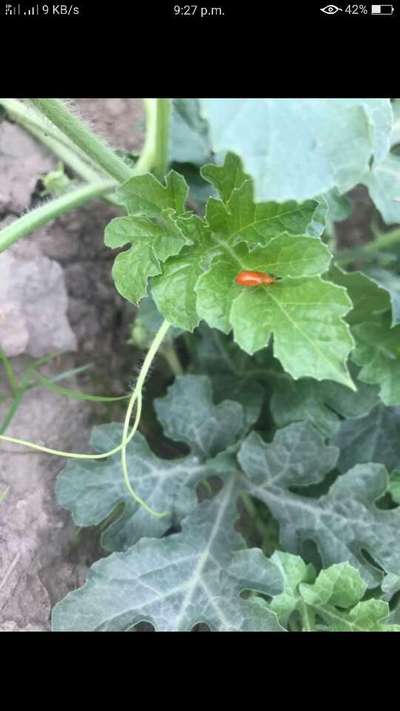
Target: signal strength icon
30 12
12 10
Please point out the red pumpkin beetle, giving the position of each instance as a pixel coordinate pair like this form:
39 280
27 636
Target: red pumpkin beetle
255 278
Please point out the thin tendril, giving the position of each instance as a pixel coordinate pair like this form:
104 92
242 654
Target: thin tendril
136 397
60 453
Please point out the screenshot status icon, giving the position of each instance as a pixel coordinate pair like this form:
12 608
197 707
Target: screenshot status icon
358 9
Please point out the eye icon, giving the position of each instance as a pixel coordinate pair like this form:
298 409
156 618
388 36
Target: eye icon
331 9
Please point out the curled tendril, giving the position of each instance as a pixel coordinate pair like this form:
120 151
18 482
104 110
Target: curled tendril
135 399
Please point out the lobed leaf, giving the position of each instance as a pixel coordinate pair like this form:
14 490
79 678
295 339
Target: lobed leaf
376 341
173 583
92 491
374 438
342 523
300 148
322 404
192 264
331 601
189 133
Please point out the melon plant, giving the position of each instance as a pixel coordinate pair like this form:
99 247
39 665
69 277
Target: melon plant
275 505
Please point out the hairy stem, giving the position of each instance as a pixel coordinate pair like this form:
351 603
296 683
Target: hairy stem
103 156
51 137
51 209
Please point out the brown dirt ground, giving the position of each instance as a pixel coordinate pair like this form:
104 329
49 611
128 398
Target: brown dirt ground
39 563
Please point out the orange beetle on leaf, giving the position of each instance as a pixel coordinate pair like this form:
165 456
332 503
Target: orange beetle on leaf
255 279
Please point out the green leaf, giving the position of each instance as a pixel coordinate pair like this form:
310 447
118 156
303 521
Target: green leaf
331 601
391 282
193 262
233 373
370 300
174 291
189 133
383 178
188 415
150 228
93 490
390 586
240 219
395 137
377 353
342 523
377 343
293 571
383 183
339 206
173 583
305 317
300 148
322 404
199 189
146 324
145 195
133 268
367 616
374 438
340 585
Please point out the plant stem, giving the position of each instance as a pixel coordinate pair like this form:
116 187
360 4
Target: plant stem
11 411
306 618
4 493
56 111
51 137
49 211
155 153
12 378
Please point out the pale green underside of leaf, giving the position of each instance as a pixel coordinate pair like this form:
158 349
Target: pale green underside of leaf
300 148
189 133
339 206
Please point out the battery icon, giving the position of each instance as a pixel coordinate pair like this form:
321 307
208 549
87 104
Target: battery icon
382 9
